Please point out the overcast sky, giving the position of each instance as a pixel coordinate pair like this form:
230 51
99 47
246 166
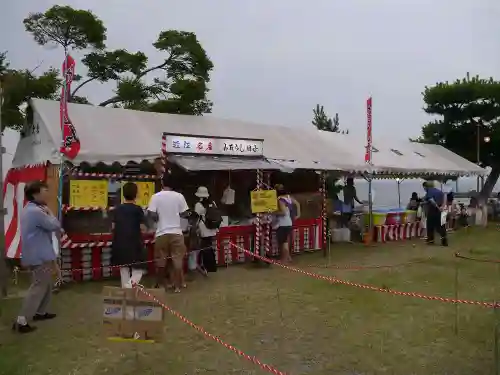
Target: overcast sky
275 59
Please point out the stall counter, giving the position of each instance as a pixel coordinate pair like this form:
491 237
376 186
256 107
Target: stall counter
88 256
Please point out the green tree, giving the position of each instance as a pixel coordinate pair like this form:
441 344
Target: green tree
177 84
322 122
70 28
19 86
469 113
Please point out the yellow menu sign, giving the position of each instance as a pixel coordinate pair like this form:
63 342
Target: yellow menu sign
88 193
145 191
263 201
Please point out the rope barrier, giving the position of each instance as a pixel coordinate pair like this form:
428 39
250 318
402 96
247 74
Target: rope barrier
202 330
335 280
18 270
322 277
458 255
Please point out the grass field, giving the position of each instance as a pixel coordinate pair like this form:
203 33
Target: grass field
297 324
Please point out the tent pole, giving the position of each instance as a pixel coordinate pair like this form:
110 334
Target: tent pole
64 97
258 220
267 225
370 208
398 181
324 220
4 272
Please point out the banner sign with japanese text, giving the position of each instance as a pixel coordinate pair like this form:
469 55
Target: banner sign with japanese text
88 193
263 201
213 146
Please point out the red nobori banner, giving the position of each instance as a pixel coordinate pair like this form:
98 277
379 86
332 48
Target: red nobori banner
368 152
70 146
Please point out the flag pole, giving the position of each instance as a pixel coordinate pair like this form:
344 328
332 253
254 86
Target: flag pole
368 161
4 272
63 115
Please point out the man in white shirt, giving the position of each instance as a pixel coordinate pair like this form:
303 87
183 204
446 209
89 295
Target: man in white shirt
166 208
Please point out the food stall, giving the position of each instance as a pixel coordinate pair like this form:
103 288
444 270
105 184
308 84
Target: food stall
215 162
120 145
238 165
92 181
400 160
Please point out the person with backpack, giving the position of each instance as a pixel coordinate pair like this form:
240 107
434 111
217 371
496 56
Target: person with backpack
288 211
210 219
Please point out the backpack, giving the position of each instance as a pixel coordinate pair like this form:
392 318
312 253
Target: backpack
291 207
213 216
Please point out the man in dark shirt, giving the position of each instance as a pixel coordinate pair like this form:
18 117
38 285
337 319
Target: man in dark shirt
435 200
127 250
350 194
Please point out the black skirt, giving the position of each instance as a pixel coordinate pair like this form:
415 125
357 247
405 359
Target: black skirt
128 255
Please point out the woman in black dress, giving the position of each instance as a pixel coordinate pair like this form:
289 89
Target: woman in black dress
128 247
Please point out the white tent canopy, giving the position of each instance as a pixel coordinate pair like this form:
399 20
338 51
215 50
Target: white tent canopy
392 157
118 135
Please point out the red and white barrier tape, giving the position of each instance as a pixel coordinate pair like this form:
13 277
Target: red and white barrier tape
66 270
163 154
218 340
67 243
335 280
71 270
114 175
67 208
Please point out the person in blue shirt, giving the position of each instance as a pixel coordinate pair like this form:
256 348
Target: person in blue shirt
435 200
37 255
344 209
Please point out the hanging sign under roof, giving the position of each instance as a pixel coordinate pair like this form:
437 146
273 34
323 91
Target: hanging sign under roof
200 145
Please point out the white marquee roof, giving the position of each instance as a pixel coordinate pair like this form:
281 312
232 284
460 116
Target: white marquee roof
117 135
403 157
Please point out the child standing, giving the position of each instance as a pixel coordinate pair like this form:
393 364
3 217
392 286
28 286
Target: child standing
128 247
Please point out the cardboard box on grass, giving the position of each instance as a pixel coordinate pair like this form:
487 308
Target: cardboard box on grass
130 314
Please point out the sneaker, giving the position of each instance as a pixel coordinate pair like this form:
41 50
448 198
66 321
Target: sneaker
24 328
46 316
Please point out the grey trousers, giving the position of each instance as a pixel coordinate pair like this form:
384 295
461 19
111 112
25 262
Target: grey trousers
39 293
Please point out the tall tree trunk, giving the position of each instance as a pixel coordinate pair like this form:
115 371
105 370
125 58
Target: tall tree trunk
489 184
